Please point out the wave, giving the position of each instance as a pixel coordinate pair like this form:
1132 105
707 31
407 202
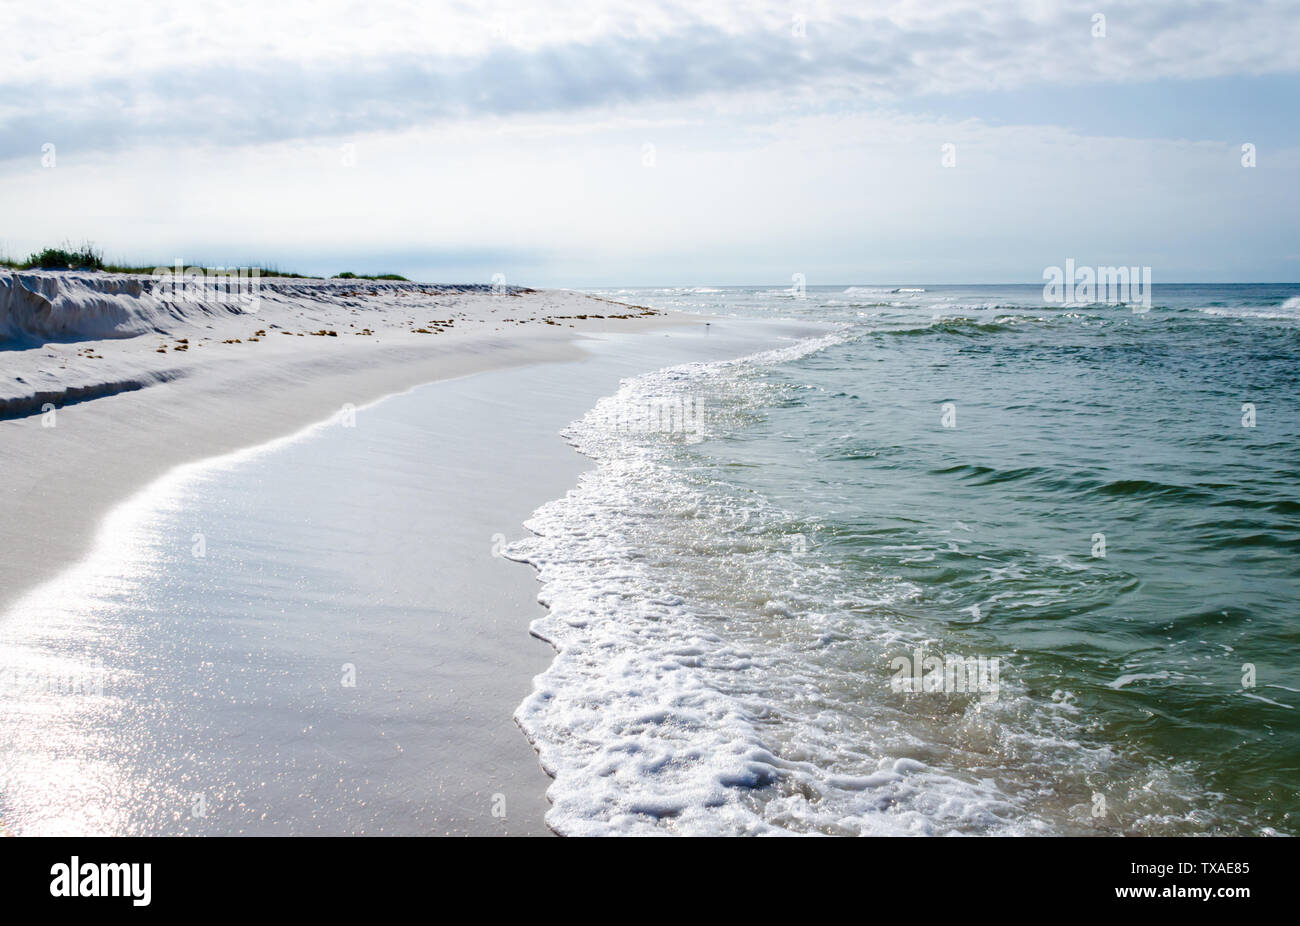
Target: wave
867 291
663 710
721 659
965 327
1056 479
882 290
707 667
1289 309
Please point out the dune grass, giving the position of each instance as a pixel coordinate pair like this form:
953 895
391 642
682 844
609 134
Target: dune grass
348 275
87 257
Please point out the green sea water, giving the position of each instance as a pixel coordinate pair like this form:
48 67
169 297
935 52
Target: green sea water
1105 501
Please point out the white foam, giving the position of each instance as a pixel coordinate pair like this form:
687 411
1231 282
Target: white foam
1290 309
682 698
1125 680
709 679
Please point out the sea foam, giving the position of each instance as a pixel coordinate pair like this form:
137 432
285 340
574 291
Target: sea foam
678 698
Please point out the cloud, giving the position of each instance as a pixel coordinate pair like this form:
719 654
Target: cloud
232 76
845 197
511 139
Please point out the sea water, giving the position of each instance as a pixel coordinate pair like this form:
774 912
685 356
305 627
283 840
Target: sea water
758 603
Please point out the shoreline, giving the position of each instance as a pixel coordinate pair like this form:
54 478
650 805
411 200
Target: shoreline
67 471
453 666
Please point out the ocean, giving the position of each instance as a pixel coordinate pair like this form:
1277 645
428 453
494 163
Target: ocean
967 563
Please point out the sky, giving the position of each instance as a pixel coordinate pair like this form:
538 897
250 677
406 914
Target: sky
647 143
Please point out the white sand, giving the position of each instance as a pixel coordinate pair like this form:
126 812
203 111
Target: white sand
426 742
370 546
157 410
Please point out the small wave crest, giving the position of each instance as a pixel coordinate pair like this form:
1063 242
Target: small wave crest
715 674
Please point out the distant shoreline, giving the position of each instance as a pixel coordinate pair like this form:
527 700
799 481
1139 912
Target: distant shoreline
88 259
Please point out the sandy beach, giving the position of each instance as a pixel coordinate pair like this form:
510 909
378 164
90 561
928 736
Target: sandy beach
353 544
234 378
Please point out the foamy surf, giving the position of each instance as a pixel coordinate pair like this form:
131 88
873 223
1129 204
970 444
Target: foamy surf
726 608
651 717
700 683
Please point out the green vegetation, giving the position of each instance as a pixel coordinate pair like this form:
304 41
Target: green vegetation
85 257
347 275
88 257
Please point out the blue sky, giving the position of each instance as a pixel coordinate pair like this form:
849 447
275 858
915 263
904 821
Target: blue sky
660 143
1263 108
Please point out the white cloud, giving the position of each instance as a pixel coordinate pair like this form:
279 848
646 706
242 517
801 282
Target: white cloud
514 135
250 72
